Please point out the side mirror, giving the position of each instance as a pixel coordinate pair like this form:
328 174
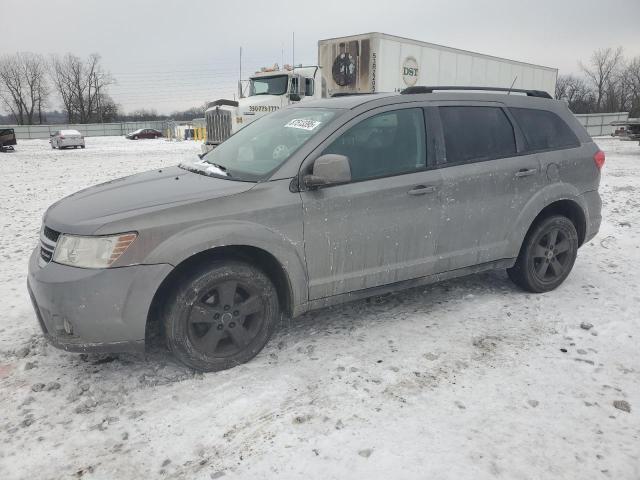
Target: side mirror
294 97
329 169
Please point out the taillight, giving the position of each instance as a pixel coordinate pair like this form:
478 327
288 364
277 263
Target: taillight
61 137
598 158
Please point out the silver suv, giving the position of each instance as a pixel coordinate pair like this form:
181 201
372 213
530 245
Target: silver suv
315 205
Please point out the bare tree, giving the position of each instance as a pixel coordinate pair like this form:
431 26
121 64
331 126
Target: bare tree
82 86
576 93
61 75
23 86
631 83
603 68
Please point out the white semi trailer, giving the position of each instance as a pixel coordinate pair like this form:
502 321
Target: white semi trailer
370 63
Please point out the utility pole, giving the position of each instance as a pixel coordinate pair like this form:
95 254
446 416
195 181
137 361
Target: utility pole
240 79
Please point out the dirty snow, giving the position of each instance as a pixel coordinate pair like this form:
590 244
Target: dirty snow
466 379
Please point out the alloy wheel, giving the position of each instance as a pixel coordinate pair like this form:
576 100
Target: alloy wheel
226 319
551 255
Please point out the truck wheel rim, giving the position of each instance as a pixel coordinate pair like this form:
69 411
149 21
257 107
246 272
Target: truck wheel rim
551 255
226 319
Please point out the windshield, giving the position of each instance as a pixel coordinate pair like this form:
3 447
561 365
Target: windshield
258 149
268 85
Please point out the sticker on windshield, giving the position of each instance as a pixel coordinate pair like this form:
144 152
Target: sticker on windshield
303 124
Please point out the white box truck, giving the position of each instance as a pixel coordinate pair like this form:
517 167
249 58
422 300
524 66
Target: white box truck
370 63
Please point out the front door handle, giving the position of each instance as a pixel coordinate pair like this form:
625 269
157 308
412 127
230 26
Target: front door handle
526 172
422 189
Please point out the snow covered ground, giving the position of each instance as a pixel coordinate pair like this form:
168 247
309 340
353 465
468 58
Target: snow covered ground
466 379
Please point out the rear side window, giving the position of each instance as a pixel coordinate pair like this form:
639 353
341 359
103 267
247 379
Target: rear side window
475 134
544 130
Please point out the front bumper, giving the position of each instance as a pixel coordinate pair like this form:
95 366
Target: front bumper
88 310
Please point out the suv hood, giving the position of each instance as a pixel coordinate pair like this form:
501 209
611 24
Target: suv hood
84 212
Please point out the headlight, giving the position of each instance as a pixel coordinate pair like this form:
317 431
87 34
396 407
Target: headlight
91 252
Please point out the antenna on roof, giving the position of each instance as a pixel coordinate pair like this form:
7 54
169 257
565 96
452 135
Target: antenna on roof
512 84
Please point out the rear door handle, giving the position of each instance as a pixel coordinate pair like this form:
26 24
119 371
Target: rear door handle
422 189
526 172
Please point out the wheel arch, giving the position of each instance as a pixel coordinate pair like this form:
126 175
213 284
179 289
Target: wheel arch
559 198
568 208
252 255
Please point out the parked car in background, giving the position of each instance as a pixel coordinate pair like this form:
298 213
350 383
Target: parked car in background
7 139
66 139
144 133
314 205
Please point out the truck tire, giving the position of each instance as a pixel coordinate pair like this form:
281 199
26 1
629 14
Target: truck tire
221 315
547 255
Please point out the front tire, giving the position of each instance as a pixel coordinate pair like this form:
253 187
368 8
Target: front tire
221 316
546 256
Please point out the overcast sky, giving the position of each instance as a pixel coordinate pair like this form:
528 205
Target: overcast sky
173 55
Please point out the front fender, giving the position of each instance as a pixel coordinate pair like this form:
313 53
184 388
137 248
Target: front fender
543 198
288 252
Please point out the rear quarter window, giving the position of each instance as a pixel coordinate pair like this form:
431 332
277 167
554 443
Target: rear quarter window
544 130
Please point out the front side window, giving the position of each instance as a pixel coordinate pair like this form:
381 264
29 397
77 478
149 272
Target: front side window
544 130
269 85
475 134
389 143
262 146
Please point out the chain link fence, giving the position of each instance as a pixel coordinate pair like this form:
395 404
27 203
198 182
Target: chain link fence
599 124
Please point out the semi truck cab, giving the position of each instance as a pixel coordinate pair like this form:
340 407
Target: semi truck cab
266 91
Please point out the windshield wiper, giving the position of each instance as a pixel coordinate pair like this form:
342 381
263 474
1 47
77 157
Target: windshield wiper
206 168
222 168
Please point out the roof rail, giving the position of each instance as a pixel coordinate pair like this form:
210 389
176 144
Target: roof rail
529 93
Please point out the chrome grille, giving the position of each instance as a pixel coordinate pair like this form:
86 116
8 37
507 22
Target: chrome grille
218 125
51 234
48 240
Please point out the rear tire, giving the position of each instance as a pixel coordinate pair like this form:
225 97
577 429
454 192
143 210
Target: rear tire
547 255
220 316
